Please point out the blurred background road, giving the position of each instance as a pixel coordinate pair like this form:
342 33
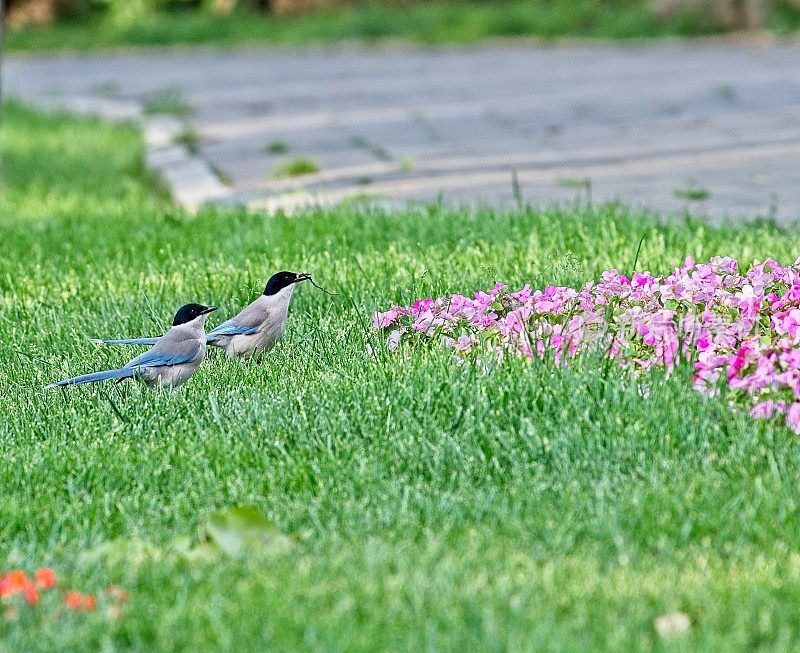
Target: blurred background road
715 128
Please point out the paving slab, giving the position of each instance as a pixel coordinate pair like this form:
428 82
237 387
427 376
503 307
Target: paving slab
641 123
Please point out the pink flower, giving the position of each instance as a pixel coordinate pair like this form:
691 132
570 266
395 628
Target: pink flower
523 295
793 417
383 320
763 409
465 343
394 340
743 328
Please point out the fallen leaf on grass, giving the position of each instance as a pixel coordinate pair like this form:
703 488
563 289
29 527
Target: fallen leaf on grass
234 530
672 623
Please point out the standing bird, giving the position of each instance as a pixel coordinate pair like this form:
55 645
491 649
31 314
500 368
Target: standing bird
171 361
256 328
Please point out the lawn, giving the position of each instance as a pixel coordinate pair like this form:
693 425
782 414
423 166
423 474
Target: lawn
428 506
432 22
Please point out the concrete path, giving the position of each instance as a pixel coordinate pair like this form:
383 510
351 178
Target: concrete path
712 127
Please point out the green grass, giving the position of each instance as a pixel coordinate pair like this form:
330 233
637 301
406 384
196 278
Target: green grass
276 147
433 506
692 194
190 138
406 163
168 101
296 167
430 22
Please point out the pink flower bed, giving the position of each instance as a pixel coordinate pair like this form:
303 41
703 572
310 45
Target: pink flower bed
739 330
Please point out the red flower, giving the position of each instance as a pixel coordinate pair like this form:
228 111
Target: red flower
73 600
17 582
30 593
45 578
13 582
78 601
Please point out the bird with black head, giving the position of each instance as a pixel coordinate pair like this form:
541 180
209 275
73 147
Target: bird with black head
257 327
170 362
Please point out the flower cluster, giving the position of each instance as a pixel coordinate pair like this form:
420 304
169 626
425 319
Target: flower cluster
740 330
16 586
17 582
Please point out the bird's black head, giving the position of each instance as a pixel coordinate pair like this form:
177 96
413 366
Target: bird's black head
188 312
280 280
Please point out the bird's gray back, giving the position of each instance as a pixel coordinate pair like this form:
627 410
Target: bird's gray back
254 315
175 357
180 342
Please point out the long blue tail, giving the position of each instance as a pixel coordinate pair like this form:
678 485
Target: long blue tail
108 375
210 339
126 341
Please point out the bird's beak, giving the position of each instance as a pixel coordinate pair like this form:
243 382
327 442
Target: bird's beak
303 276
209 309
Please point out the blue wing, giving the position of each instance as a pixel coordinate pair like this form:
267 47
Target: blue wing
230 328
159 359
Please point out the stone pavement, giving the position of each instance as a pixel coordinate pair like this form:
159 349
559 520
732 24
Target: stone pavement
711 127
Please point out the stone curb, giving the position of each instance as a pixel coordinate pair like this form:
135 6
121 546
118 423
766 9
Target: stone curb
191 180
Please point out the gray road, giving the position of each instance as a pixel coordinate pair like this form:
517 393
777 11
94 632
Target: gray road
658 126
